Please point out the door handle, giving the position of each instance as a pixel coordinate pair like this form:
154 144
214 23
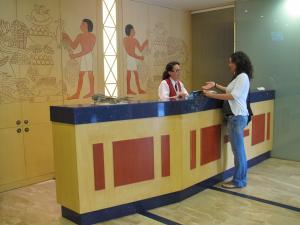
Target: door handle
18 122
19 130
26 129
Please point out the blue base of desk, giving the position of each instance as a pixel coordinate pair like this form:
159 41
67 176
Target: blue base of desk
151 203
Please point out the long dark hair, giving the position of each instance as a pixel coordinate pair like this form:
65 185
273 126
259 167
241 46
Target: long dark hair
169 68
243 64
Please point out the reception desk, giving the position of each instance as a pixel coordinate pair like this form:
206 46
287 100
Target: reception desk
115 160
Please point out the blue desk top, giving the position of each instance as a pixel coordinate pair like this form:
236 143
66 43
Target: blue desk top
84 114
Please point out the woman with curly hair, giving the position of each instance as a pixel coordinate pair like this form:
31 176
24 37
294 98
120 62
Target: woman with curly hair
237 111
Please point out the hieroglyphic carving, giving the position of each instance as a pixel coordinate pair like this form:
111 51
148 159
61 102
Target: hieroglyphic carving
4 60
40 20
27 49
163 48
71 70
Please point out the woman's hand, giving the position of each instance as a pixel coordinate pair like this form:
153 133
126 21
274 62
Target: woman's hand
208 85
182 95
207 93
211 94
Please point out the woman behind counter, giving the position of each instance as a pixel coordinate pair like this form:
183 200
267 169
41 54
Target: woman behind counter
171 87
237 111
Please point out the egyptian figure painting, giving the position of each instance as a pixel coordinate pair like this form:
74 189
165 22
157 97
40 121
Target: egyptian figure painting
131 44
86 40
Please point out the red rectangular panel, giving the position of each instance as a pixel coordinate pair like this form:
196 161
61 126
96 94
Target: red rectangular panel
246 133
210 144
268 126
192 149
258 129
99 176
165 155
133 160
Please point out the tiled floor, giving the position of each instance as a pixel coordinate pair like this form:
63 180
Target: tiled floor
213 208
275 180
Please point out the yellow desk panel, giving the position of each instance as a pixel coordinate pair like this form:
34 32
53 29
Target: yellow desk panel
74 159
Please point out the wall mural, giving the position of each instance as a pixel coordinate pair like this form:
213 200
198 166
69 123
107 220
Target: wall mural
31 53
162 49
87 41
130 45
27 49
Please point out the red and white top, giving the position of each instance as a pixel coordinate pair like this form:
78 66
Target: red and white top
170 88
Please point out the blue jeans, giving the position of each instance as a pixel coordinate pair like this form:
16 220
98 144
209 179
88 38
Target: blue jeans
236 126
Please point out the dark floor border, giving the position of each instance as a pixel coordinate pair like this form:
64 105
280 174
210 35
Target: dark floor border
154 202
158 218
251 197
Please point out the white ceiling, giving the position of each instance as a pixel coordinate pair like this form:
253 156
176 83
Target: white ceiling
190 5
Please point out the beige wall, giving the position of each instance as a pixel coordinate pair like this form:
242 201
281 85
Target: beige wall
169 35
38 67
55 74
72 12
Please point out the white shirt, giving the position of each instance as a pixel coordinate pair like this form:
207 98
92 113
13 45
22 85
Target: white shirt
239 88
164 90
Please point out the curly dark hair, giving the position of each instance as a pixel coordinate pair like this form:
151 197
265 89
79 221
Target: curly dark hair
243 64
169 68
